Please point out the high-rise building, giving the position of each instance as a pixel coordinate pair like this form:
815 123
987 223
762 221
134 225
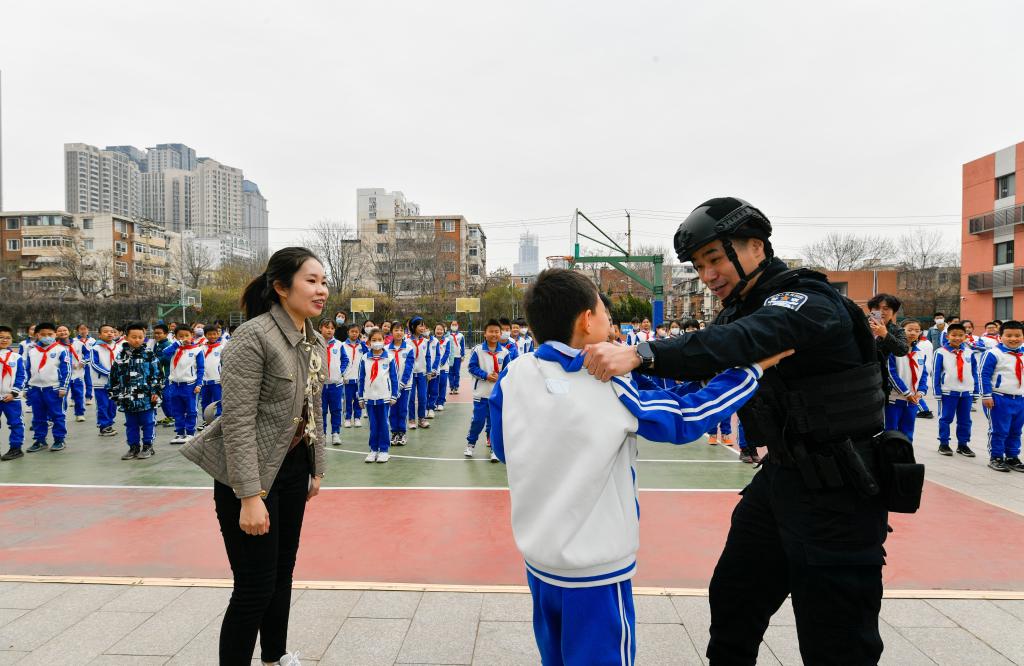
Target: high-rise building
101 181
993 222
216 199
377 204
529 255
255 218
476 255
170 156
167 198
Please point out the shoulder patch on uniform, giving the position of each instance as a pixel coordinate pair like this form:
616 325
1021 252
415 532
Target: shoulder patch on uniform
787 299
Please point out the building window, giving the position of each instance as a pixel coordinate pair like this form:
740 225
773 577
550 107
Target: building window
120 248
372 208
448 225
382 227
87 223
1006 186
1004 253
1003 308
382 248
13 245
448 246
122 268
12 224
88 244
472 251
841 287
474 270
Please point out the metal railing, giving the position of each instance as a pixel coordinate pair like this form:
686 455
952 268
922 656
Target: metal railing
1004 217
1012 279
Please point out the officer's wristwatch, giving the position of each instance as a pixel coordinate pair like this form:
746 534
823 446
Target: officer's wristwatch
646 354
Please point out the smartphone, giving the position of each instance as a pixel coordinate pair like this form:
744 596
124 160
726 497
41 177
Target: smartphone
877 315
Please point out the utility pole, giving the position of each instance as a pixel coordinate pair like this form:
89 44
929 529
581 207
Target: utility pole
629 234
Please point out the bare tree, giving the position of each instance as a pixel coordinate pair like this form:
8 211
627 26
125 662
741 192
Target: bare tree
88 272
925 249
191 262
338 247
386 263
849 252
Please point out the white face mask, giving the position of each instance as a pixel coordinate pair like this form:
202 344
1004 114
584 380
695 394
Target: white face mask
505 336
376 345
455 328
673 331
526 331
939 321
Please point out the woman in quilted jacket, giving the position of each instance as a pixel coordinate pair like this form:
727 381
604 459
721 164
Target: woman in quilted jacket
266 450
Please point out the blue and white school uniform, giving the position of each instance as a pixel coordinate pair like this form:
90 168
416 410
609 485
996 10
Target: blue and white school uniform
404 361
103 356
353 352
1002 380
422 361
12 383
908 375
956 382
570 444
87 343
436 385
378 390
334 386
458 342
524 345
79 369
211 391
925 346
49 372
483 361
187 373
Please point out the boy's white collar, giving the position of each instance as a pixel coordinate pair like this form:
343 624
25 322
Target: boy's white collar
571 352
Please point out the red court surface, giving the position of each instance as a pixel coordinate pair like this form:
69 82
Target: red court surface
456 537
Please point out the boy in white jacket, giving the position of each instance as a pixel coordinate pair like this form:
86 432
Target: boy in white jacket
569 442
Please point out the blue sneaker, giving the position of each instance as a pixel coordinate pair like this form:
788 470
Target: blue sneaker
58 445
36 446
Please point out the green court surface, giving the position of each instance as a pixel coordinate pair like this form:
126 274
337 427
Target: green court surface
433 458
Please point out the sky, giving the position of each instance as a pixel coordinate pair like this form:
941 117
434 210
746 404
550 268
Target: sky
850 117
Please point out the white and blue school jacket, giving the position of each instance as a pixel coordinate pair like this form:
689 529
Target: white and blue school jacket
458 344
12 373
49 367
404 361
383 387
353 352
944 375
999 372
569 441
440 354
103 355
211 360
24 346
524 345
187 363
511 346
74 348
337 363
905 379
421 355
481 363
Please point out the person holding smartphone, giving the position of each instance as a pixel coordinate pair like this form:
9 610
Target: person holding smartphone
889 338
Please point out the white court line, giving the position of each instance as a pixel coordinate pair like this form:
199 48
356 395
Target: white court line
335 488
465 459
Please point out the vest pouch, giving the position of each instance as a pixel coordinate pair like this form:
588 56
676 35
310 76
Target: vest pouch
902 476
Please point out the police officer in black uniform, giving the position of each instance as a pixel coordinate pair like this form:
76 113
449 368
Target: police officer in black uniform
812 521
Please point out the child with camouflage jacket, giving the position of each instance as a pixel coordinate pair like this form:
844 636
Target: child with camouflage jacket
136 384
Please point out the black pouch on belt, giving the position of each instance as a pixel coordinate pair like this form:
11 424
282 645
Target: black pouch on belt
901 475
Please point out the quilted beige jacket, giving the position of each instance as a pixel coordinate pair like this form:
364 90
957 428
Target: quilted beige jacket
263 369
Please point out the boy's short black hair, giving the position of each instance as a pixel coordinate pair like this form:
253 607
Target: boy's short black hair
103 326
492 322
1012 324
690 323
555 300
182 329
161 327
353 325
890 300
956 327
504 321
7 329
398 325
135 326
938 314
213 327
997 322
990 323
46 325
634 320
607 301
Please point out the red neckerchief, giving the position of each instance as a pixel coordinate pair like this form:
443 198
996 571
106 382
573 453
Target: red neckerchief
42 361
4 368
110 350
210 347
373 370
913 371
354 346
959 351
494 356
181 350
71 348
398 358
1019 366
329 345
418 343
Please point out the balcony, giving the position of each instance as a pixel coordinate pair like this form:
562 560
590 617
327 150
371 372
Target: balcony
1012 279
1005 217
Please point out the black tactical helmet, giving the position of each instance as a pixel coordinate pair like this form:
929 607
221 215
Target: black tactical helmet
722 219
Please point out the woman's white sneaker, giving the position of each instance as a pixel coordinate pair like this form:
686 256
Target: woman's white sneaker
372 457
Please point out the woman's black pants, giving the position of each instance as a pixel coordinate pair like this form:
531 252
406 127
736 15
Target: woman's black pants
262 566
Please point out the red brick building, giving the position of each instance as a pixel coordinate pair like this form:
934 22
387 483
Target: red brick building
860 286
992 282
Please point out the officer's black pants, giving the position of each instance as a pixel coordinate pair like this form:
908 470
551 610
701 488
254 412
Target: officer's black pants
825 549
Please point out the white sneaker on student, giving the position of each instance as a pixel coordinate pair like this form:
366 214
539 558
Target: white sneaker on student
411 425
336 439
430 413
372 457
358 423
347 423
383 457
494 458
468 452
440 408
79 419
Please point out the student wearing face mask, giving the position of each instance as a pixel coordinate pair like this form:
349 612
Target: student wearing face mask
378 392
505 340
339 322
936 334
48 368
673 329
458 351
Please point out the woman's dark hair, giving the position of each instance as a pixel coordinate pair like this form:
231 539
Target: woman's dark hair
282 267
890 300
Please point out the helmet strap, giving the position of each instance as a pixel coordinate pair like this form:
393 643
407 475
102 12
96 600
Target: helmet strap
745 278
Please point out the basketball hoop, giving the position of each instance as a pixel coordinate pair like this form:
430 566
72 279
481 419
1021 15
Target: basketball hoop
559 261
